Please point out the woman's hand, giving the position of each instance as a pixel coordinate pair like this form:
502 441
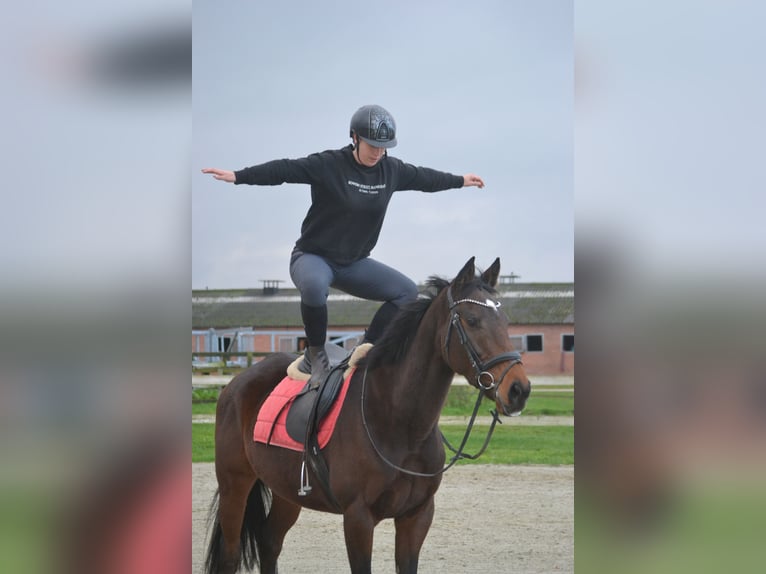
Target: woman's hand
222 174
471 180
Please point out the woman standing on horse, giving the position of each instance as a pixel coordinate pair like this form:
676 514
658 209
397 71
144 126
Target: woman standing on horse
350 191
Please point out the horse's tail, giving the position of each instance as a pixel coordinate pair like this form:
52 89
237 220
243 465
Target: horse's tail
251 537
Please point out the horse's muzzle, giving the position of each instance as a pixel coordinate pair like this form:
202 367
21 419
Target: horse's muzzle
513 401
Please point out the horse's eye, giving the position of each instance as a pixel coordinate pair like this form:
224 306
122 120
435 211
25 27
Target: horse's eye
472 321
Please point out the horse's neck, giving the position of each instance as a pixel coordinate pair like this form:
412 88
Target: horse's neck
414 390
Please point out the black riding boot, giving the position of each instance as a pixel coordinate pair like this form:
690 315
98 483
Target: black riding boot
320 365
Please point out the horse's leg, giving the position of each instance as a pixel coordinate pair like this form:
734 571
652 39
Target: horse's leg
411 531
234 491
358 527
281 518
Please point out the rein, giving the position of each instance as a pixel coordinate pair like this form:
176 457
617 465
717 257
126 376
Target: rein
484 381
459 454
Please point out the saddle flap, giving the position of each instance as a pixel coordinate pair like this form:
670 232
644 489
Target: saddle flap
336 354
311 405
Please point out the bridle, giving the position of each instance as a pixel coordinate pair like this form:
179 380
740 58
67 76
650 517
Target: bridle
484 379
482 374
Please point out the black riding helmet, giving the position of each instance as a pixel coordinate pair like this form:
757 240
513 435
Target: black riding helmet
374 125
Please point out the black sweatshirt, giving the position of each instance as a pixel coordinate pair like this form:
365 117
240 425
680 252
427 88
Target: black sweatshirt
348 200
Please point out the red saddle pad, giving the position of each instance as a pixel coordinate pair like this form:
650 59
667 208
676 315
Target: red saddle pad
270 425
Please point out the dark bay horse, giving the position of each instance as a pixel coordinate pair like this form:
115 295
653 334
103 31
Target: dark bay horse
386 455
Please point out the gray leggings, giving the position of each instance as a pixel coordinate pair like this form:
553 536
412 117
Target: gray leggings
367 279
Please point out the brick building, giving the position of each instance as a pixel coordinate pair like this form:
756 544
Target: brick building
266 320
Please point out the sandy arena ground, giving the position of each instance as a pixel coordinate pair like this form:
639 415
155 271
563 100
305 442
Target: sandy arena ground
489 519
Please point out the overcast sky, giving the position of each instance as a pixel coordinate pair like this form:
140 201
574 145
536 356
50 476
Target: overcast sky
483 87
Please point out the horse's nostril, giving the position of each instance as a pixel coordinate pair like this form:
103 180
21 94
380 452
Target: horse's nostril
515 391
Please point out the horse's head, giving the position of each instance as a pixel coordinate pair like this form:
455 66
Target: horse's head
475 340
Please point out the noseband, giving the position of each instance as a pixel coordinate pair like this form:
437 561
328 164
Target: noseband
484 379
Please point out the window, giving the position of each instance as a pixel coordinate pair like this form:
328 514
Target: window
567 343
518 342
223 344
534 343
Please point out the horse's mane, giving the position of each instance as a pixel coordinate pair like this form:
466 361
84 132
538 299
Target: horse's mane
393 345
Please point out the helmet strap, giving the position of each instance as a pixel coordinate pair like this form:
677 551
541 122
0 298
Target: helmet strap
355 148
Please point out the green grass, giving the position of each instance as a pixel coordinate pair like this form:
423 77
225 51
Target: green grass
203 408
553 445
461 400
554 403
205 395
203 442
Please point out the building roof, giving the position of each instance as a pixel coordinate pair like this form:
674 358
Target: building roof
524 303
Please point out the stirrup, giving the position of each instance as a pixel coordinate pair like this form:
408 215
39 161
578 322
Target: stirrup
305 488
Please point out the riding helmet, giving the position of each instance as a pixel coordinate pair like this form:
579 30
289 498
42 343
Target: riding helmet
374 125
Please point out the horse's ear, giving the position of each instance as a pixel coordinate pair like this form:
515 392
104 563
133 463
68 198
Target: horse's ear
467 273
490 275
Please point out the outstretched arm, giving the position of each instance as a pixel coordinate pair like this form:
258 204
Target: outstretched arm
472 180
222 174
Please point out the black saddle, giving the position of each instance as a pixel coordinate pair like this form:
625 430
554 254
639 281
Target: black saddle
312 403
